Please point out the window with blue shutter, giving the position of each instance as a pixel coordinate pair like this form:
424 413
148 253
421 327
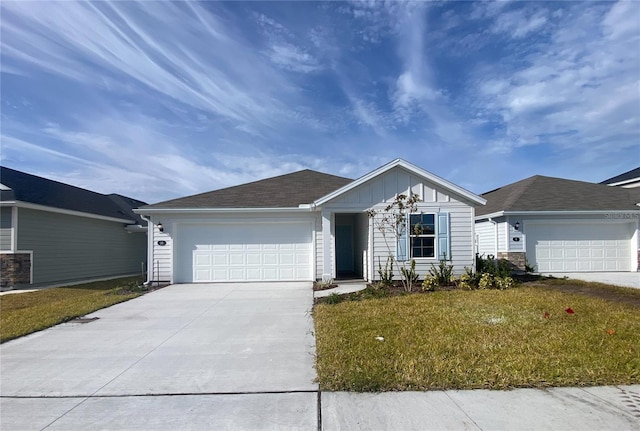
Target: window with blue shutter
427 234
402 246
422 232
444 249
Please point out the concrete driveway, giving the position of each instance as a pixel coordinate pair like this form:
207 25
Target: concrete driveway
625 279
240 357
235 340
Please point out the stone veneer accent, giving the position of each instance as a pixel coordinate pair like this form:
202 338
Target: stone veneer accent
516 258
15 269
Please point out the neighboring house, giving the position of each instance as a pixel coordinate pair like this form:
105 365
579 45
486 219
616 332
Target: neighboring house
629 179
560 225
306 225
53 233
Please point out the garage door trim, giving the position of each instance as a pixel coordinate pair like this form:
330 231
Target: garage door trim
230 222
631 225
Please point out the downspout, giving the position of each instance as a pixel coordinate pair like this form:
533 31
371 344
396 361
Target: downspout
150 232
495 228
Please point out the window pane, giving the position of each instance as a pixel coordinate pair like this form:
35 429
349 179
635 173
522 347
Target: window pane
422 247
422 224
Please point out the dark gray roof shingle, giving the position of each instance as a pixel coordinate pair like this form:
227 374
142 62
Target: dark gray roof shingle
284 191
539 193
41 191
632 174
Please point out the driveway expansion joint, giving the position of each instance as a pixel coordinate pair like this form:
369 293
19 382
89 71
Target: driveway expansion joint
166 394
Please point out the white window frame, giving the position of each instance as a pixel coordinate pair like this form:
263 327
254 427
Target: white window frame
434 236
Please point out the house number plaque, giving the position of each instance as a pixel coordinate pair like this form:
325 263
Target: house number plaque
162 242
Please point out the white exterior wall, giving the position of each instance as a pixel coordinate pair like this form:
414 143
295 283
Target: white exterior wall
319 244
162 261
506 230
382 190
486 236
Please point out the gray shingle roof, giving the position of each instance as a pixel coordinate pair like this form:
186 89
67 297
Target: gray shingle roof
539 193
284 191
630 175
41 191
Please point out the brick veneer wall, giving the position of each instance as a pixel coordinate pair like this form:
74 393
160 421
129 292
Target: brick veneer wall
516 258
15 269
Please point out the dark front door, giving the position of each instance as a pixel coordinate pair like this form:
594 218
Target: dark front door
344 250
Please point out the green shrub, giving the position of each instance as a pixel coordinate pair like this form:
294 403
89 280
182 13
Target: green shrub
486 281
443 273
386 273
429 284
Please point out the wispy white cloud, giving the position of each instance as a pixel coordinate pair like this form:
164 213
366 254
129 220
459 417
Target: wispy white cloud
201 62
162 99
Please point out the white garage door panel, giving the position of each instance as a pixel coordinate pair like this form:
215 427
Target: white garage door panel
579 247
244 252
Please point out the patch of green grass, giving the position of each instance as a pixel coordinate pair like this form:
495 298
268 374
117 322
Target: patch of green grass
477 339
24 313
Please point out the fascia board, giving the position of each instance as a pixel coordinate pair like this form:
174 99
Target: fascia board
560 212
220 210
28 205
409 167
623 182
491 215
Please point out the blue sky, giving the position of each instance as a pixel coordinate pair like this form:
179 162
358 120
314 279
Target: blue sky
158 100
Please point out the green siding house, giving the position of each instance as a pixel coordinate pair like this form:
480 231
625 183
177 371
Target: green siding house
53 233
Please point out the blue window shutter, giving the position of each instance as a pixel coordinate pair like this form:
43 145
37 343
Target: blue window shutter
402 247
443 236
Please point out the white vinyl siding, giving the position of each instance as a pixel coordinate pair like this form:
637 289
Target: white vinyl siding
486 238
382 190
166 258
319 245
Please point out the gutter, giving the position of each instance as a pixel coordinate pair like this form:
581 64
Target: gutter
560 212
28 205
146 211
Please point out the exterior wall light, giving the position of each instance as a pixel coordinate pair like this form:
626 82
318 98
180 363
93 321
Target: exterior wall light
517 226
160 227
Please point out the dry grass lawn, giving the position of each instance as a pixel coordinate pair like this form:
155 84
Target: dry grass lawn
522 337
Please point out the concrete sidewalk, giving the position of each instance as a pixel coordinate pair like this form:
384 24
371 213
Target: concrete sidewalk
596 408
624 279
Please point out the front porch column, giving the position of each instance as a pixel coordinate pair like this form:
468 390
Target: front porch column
327 261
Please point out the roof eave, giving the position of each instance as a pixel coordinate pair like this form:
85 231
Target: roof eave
411 168
38 207
145 211
557 212
623 182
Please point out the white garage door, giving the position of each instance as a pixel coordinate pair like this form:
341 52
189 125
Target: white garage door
576 247
244 252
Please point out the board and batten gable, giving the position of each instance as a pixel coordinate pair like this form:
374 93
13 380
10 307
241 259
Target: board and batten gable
69 247
381 190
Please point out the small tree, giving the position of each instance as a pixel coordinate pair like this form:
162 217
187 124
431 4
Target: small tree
392 221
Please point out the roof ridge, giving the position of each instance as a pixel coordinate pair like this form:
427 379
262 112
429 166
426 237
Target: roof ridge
516 196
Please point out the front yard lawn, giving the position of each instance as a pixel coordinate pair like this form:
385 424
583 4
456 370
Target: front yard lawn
24 313
530 336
